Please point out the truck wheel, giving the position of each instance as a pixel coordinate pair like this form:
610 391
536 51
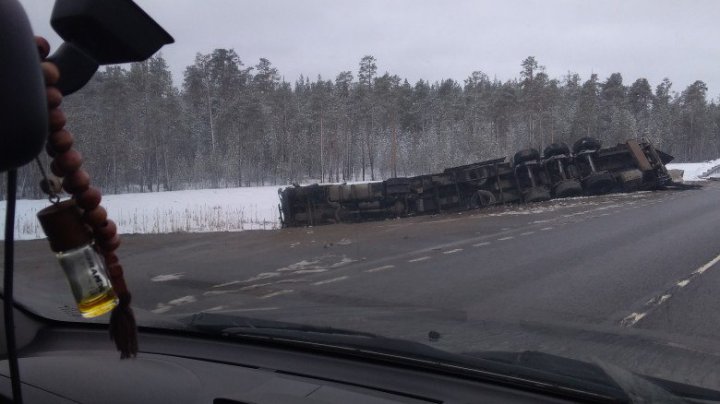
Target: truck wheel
398 208
556 149
597 184
537 194
567 189
586 144
480 176
525 155
481 198
341 214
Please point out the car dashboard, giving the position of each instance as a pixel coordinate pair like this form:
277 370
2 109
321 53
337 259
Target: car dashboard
68 363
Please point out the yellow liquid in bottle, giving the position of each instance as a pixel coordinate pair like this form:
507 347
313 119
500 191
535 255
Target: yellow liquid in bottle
85 272
98 305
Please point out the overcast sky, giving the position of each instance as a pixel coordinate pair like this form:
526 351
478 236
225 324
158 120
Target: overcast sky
433 40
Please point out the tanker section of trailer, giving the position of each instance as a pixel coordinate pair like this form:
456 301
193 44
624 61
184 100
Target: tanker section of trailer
457 188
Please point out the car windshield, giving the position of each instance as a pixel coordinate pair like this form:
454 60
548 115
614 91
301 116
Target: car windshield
479 177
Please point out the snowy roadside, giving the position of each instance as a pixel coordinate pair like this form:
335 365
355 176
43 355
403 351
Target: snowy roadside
695 171
205 210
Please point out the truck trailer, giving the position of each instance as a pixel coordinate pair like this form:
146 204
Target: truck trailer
560 172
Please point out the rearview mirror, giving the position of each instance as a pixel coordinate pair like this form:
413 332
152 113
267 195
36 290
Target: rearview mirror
99 32
96 32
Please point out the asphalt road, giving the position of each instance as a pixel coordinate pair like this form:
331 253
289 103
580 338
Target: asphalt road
618 273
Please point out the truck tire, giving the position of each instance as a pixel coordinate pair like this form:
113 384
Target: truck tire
481 199
601 183
556 149
630 180
479 176
586 144
398 208
525 155
537 194
567 189
342 214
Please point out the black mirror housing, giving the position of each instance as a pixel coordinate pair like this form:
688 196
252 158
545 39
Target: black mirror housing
96 32
109 31
100 32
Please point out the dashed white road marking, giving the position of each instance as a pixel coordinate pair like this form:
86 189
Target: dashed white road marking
278 293
653 303
546 228
506 238
161 308
382 268
255 286
604 214
453 251
260 276
707 266
633 318
222 285
527 233
326 281
219 292
183 300
167 277
484 243
291 280
245 310
309 271
419 259
343 261
298 265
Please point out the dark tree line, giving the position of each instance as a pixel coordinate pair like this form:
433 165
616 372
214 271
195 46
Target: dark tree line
230 125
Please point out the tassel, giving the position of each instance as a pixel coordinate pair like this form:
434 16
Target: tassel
123 330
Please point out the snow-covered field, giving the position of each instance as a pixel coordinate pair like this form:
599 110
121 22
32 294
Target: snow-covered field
206 210
695 171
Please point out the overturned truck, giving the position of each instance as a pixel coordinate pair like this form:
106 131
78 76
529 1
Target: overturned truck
586 169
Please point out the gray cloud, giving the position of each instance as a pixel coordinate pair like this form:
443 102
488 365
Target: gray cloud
445 39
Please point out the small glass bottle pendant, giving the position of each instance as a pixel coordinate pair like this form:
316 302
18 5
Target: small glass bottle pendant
84 269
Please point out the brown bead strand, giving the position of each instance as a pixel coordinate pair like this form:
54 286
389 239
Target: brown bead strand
66 164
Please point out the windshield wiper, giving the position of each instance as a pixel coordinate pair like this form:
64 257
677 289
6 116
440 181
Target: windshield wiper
531 370
218 324
401 352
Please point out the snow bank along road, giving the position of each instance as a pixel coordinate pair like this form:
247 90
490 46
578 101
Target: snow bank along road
642 263
697 171
191 211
